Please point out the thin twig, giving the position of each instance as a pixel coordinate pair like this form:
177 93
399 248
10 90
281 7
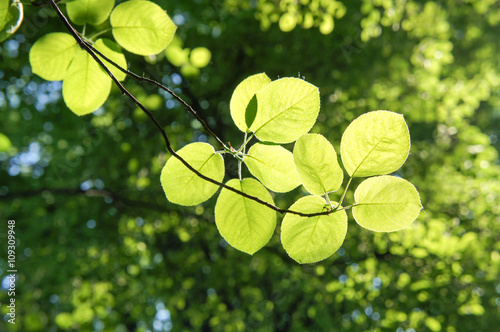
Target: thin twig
92 52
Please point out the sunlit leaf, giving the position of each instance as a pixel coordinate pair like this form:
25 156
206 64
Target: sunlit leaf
386 204
111 50
312 239
92 12
317 165
243 103
11 18
286 109
273 165
86 86
375 143
177 55
142 27
245 224
200 57
184 187
51 55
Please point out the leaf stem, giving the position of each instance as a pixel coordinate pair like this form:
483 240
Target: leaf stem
343 195
97 34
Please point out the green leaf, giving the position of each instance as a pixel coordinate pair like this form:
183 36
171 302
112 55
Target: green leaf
245 224
243 104
111 50
92 12
51 55
11 17
86 86
317 165
5 143
312 239
142 27
184 187
286 109
376 143
273 165
200 57
386 204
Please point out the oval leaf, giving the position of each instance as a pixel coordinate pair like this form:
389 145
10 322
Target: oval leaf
142 27
273 166
92 12
111 50
86 86
245 224
243 104
312 239
200 57
184 187
286 109
386 204
51 55
376 143
317 165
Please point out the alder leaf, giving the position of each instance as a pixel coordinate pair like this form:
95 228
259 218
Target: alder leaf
92 12
184 187
286 109
376 143
142 27
86 85
111 50
245 224
317 165
243 104
312 239
273 165
386 204
52 54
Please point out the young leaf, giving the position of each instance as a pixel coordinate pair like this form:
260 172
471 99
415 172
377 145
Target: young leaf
86 86
111 50
184 187
92 12
386 204
273 166
317 165
245 224
142 27
11 18
312 239
51 55
376 143
243 104
286 109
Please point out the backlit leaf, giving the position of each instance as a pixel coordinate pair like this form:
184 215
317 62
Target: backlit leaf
312 239
245 224
184 187
375 143
286 109
51 55
92 12
111 50
200 57
386 204
11 18
5 143
142 27
243 103
317 165
86 86
273 165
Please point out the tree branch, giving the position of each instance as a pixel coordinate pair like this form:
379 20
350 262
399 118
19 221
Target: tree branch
93 52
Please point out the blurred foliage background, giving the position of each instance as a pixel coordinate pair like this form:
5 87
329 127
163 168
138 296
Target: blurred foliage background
99 248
